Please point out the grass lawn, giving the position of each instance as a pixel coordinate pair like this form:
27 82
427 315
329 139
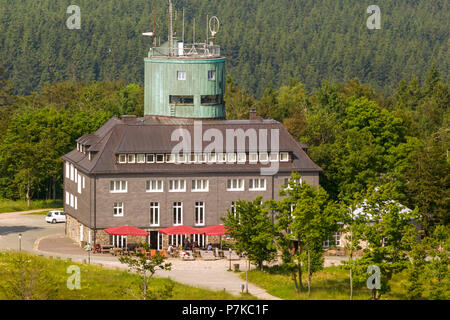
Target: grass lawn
21 205
331 283
41 213
103 284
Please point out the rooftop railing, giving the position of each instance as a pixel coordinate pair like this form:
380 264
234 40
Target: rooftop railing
196 50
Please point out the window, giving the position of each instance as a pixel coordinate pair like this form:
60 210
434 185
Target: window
231 157
76 203
72 200
118 241
257 184
211 75
242 157
170 158
84 182
202 157
122 158
200 239
89 156
154 186
200 186
67 198
76 176
253 158
221 157
150 158
263 157
177 213
67 170
235 184
181 158
141 158
192 158
159 158
211 99
154 214
181 100
273 157
177 239
131 158
118 186
284 156
72 172
118 209
337 239
212 158
79 184
233 209
199 213
177 186
181 75
287 180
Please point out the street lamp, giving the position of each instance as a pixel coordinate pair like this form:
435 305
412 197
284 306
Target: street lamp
20 242
229 257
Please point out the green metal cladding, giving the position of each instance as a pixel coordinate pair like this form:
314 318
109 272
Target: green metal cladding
161 82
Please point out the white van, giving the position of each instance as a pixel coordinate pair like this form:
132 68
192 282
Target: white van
55 216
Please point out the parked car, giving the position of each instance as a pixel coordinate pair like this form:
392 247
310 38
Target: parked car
55 216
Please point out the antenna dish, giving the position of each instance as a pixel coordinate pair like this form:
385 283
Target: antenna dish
214 25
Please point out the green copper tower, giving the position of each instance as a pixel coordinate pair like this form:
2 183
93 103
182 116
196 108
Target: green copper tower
185 80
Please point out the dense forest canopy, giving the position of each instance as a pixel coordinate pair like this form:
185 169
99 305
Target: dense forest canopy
267 42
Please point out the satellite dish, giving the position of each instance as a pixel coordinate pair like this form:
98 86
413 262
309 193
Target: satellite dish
214 25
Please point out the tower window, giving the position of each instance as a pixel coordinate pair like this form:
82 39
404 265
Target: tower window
181 75
210 100
211 75
188 100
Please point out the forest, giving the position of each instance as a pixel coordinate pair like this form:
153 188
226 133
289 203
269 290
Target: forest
266 42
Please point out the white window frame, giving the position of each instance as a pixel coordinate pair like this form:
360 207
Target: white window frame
120 206
76 203
202 158
123 186
181 75
67 170
200 185
124 157
181 158
255 157
192 158
199 209
240 185
149 186
68 198
176 215
72 171
200 239
242 158
212 75
147 158
170 158
231 157
212 157
221 157
262 156
79 184
84 182
274 157
177 183
140 155
72 200
284 154
255 184
160 161
131 158
155 212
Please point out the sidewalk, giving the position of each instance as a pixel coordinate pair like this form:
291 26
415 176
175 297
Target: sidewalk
211 275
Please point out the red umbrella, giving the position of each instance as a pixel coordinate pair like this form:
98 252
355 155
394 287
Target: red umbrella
126 231
218 230
180 230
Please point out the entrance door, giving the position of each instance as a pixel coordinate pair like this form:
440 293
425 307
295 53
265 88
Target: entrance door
154 240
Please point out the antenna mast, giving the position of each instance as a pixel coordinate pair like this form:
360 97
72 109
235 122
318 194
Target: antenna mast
170 29
154 22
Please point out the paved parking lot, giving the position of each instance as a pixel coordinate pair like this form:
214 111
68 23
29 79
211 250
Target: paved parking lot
32 227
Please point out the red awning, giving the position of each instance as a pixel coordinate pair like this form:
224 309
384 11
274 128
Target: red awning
180 230
126 231
218 230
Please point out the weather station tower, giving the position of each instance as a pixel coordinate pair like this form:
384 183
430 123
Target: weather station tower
185 80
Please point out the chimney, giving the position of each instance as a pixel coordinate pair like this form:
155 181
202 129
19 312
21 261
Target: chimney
252 114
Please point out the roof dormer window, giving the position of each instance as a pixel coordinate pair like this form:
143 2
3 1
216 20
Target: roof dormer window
122 158
284 156
131 158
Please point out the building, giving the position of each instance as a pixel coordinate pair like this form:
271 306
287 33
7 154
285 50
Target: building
127 173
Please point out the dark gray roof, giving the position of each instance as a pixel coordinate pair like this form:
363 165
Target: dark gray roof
153 135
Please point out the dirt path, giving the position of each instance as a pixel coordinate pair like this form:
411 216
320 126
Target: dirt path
18 213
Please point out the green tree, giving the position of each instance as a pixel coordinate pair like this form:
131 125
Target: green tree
146 267
252 230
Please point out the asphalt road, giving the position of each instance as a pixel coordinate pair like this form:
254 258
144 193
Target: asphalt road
32 227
